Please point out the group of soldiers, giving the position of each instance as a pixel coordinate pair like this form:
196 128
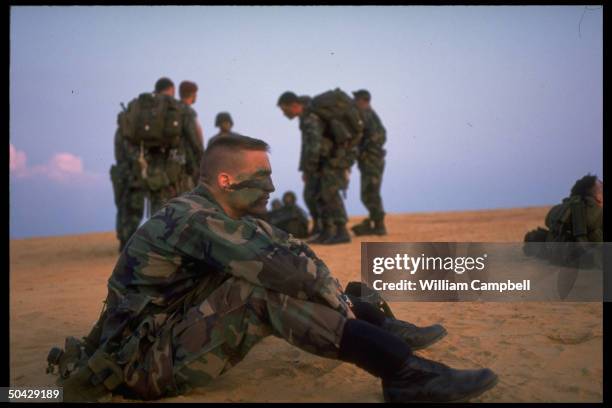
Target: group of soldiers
337 131
206 277
155 162
288 216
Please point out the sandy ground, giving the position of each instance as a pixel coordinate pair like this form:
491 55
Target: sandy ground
541 351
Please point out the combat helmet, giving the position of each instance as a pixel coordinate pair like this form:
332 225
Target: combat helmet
223 117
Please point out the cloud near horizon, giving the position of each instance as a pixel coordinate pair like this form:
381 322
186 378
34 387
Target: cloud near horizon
62 167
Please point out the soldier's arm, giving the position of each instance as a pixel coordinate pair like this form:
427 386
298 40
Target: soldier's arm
240 248
312 137
379 133
193 133
193 142
120 154
200 134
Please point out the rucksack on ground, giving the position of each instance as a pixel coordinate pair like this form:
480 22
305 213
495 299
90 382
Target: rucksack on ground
152 120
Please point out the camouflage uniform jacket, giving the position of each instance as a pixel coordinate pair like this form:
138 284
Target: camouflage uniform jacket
560 222
192 242
374 136
315 144
192 141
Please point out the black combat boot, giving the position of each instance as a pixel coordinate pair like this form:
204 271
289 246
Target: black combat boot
340 237
405 376
327 232
422 380
363 228
379 227
416 337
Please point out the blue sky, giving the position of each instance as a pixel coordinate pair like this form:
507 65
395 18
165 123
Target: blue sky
485 107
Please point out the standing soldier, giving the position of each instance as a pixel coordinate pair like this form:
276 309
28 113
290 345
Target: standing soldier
193 142
127 187
371 162
149 159
331 127
224 122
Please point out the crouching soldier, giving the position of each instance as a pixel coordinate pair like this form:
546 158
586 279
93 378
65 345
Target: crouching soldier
572 227
289 217
204 280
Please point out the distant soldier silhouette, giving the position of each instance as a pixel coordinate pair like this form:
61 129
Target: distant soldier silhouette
224 122
290 217
371 163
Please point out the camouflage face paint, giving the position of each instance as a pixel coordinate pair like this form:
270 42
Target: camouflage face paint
251 192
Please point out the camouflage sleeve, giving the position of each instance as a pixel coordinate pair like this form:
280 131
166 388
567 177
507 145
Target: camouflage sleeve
312 137
331 291
192 139
594 217
378 133
257 253
121 155
200 134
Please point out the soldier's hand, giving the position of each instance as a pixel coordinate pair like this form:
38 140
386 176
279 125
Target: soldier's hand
304 178
332 294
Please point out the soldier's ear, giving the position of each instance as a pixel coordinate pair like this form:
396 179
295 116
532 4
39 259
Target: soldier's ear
224 181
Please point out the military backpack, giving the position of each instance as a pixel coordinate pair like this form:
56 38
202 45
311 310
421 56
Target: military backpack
152 120
339 110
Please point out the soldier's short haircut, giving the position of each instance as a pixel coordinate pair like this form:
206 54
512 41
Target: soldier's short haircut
162 84
362 94
223 154
287 97
584 186
187 89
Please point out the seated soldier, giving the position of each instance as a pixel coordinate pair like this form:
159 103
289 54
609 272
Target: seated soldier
290 217
579 218
276 204
205 279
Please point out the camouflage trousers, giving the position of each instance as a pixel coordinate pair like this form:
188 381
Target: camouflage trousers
323 191
195 346
131 208
371 180
311 192
159 197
